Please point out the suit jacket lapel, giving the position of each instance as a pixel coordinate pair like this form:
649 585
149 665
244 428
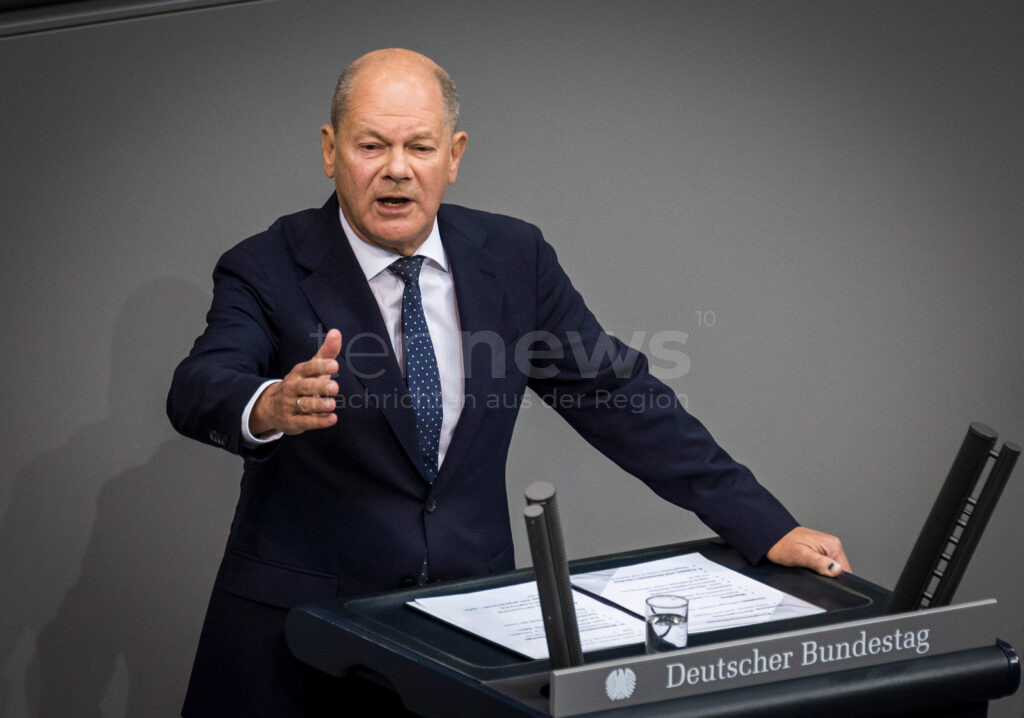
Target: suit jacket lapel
339 294
480 295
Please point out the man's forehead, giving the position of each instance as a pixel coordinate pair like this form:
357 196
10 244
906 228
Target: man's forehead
396 98
399 93
402 111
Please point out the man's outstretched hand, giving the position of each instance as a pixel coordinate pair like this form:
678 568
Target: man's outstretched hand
811 549
304 399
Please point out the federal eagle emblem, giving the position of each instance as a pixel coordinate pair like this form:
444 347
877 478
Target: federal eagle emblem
620 684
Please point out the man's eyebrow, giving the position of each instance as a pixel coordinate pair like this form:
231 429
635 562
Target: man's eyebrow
367 132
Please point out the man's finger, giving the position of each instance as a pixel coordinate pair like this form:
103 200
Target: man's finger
314 405
832 547
823 564
316 367
321 421
844 564
324 361
316 386
331 346
305 422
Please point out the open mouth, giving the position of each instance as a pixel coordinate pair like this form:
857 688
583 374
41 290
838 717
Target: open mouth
393 201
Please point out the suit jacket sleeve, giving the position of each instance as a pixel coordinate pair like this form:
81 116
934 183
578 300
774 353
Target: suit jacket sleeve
634 419
232 357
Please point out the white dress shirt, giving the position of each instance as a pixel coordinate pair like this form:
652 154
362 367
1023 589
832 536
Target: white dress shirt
442 316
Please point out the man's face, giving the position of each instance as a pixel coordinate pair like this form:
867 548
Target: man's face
392 156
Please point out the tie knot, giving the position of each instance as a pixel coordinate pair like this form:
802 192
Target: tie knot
408 269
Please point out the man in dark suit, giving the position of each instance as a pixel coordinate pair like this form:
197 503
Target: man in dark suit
383 464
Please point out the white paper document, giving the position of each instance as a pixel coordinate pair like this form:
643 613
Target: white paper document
510 616
719 597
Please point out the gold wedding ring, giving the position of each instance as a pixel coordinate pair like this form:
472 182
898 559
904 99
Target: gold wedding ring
298 405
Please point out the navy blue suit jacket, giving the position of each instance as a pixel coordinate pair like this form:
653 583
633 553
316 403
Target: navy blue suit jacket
346 510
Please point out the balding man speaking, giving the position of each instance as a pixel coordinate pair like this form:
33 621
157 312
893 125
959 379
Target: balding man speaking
367 359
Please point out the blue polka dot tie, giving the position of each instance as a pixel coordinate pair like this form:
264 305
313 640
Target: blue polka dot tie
421 373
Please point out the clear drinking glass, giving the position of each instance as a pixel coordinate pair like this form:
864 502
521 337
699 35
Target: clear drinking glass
667 622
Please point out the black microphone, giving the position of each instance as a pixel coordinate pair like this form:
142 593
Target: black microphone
544 530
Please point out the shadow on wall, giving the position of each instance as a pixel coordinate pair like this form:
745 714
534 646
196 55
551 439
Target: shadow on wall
102 563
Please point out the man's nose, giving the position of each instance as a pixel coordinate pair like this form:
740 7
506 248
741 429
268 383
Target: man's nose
397 167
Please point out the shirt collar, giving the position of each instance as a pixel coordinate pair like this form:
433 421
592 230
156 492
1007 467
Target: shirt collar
373 260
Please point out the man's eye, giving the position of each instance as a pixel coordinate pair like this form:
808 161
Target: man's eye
423 148
369 147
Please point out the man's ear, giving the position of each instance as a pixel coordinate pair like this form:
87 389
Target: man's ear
458 147
327 145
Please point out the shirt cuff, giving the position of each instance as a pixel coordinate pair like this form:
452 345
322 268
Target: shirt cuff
247 438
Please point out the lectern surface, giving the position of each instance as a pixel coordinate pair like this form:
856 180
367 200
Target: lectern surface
386 615
401 644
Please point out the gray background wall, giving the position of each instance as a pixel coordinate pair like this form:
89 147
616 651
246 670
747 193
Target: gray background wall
837 185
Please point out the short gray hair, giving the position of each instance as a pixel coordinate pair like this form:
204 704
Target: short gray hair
342 90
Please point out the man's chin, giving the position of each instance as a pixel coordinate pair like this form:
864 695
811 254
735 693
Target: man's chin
399 237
